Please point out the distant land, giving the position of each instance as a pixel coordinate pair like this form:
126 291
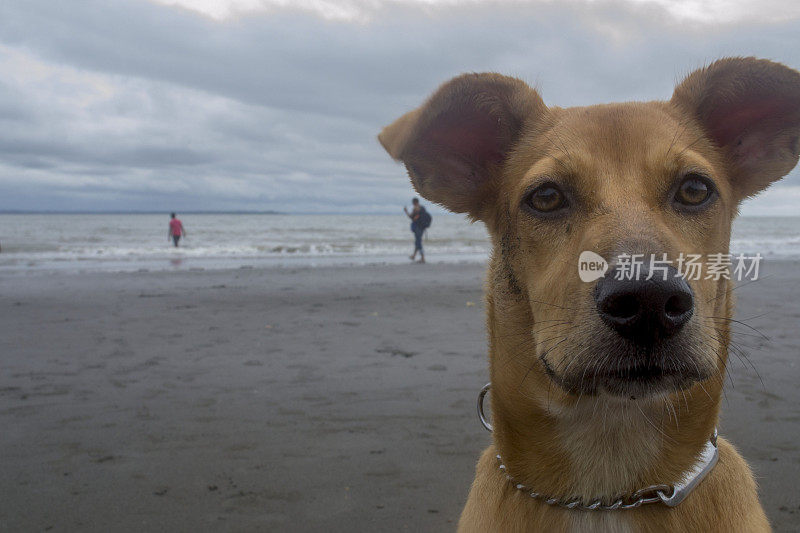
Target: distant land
120 212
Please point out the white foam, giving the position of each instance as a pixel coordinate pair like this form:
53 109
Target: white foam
130 242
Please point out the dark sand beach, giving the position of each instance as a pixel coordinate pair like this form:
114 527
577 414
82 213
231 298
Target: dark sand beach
335 399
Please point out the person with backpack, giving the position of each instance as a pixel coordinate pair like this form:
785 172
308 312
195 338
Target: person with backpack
420 221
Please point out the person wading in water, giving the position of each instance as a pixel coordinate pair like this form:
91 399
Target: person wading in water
175 229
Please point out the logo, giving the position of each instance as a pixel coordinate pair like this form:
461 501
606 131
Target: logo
591 266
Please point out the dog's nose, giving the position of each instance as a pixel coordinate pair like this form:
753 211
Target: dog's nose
642 309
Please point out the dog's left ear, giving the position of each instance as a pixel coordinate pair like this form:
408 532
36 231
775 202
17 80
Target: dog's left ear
750 108
455 144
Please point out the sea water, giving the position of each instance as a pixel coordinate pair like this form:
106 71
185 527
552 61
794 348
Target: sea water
129 242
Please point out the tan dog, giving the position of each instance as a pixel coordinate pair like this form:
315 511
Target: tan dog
600 389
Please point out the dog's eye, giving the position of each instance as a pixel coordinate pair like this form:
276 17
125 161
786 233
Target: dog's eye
694 190
546 198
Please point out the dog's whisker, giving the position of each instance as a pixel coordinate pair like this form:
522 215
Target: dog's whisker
680 128
745 284
741 355
690 145
553 305
530 344
534 363
647 419
723 364
740 322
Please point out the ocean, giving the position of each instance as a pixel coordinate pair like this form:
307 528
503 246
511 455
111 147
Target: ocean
35 243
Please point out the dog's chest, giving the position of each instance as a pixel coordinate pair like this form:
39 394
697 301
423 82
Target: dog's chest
607 453
607 522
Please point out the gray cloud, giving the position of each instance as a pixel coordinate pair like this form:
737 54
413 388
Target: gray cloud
145 106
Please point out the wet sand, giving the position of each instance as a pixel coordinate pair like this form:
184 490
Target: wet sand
335 399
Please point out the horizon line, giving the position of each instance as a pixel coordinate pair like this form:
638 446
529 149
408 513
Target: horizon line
249 212
187 211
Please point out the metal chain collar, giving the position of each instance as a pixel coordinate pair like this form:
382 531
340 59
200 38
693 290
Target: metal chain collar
670 495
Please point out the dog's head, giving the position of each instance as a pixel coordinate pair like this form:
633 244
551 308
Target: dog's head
634 178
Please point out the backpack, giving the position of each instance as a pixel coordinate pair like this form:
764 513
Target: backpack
424 218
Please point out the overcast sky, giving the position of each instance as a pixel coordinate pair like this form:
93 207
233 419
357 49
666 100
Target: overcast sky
275 104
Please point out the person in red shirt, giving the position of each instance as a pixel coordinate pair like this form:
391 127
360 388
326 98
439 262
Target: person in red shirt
175 229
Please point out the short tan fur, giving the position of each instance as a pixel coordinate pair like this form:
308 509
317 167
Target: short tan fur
568 422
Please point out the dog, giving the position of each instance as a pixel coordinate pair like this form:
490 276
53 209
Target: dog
601 388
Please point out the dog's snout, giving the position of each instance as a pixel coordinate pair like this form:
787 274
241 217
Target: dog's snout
643 309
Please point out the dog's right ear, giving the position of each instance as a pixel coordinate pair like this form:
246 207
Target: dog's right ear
453 146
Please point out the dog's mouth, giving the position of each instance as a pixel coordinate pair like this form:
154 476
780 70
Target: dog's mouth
646 380
631 380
